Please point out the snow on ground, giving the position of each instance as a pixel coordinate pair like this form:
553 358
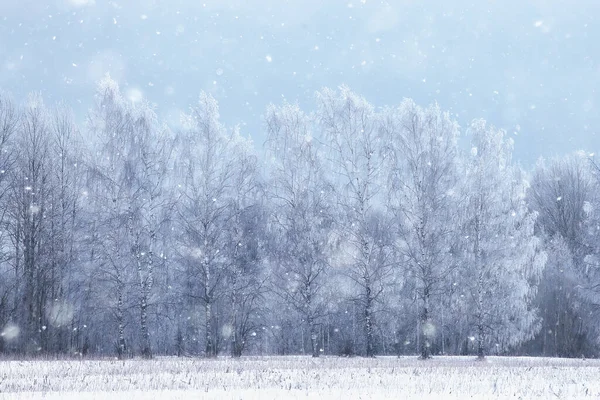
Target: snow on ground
302 377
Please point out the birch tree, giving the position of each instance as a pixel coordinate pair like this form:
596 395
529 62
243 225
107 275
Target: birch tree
29 234
150 206
110 183
503 260
133 169
422 198
562 192
246 280
351 131
209 165
301 220
9 274
64 224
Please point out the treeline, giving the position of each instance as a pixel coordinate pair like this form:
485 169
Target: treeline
358 231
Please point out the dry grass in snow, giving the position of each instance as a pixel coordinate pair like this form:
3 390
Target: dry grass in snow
303 377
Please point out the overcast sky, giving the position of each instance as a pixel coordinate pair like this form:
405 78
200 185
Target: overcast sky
530 67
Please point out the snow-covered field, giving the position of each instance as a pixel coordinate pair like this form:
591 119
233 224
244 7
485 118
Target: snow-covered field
302 377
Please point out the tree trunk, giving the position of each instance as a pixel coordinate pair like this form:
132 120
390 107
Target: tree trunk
369 321
121 348
236 340
210 346
145 285
313 336
480 340
480 326
146 349
478 264
426 327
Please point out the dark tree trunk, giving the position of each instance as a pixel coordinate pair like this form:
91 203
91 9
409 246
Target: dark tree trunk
425 327
370 352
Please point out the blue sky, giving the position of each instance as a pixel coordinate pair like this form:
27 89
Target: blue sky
530 67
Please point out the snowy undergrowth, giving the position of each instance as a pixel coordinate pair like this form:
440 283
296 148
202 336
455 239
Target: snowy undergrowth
302 377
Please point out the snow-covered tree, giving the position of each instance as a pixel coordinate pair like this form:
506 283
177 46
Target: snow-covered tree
109 124
502 257
9 120
245 276
129 174
563 194
422 167
64 230
563 333
149 206
216 174
245 280
29 204
302 219
587 270
351 132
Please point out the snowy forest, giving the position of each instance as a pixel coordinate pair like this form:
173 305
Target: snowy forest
354 229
